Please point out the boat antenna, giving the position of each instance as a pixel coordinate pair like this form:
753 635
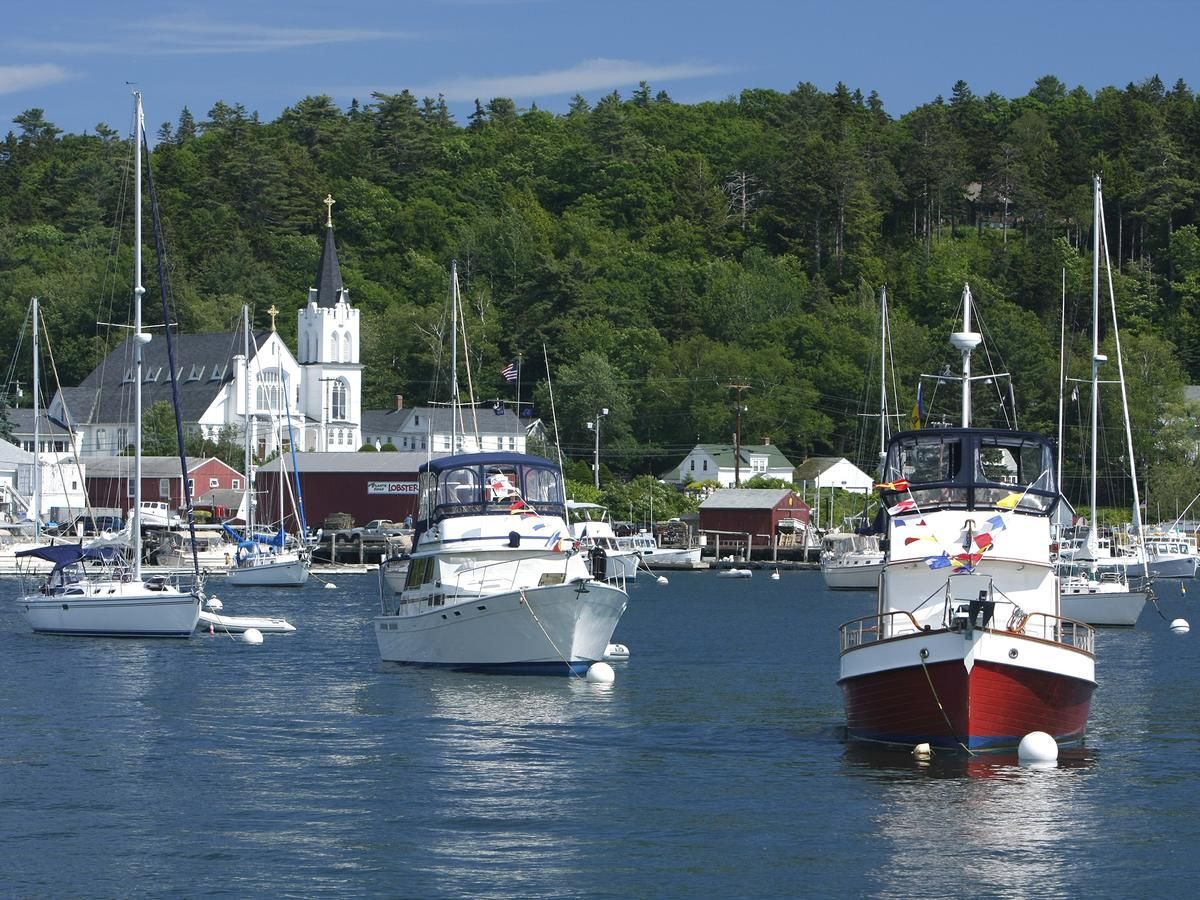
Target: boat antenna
966 341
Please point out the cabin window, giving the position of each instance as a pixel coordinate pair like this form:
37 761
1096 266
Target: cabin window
542 486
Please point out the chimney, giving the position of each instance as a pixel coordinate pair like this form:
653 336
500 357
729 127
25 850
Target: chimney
766 440
399 401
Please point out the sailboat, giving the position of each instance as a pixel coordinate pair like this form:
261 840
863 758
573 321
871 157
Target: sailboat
495 583
97 589
1099 590
967 648
851 561
264 560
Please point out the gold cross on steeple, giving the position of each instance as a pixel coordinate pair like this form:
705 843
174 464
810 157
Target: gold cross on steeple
329 201
272 312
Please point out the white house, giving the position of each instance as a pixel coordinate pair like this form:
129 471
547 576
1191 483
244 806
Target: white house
819 473
721 463
63 490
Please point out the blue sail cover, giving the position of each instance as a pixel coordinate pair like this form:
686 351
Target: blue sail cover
64 554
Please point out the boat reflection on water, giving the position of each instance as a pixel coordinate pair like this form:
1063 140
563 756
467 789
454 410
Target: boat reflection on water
995 827
495 745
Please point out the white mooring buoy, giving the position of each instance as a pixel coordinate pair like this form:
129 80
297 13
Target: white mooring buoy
616 651
1180 626
661 579
329 585
214 603
1037 747
601 673
252 636
922 751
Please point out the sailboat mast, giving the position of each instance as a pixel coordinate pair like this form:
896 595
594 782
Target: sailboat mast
247 436
883 407
454 356
37 436
140 338
1097 359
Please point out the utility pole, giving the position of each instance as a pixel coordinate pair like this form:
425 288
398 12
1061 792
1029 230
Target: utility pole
737 434
594 425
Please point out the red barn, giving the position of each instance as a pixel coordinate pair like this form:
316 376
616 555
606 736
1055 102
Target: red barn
109 480
365 485
770 516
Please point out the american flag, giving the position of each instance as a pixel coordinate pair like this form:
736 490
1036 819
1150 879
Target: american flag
509 372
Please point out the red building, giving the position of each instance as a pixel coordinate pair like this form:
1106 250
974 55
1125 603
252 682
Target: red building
763 518
109 480
365 485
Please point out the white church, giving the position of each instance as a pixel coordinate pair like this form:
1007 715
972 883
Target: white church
312 399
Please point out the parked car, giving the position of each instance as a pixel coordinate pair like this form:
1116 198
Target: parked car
381 528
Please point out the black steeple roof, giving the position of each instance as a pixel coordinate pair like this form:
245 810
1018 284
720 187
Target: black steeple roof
329 274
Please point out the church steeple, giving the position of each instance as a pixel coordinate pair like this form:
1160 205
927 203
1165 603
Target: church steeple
329 274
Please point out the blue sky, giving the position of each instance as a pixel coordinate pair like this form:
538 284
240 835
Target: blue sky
73 58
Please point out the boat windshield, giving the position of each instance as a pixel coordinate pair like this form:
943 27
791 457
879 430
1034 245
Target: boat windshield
483 488
971 470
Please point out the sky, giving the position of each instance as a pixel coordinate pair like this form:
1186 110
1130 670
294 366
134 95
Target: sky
76 59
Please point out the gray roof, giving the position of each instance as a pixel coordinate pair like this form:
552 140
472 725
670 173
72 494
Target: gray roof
401 461
21 419
438 419
724 456
152 466
745 498
329 273
11 453
205 363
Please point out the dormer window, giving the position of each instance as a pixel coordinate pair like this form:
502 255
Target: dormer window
196 374
152 374
218 373
128 377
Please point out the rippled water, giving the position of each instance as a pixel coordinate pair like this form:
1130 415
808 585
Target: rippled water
713 767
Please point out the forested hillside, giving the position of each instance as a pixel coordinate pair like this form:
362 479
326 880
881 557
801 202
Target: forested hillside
661 252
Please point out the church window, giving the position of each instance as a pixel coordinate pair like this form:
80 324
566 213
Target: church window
347 354
338 400
334 345
270 390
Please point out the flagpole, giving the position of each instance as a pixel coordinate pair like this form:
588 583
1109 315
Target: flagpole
518 388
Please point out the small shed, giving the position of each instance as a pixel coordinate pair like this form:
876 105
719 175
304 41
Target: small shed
764 518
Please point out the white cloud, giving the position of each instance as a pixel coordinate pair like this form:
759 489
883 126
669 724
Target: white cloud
23 78
184 35
589 75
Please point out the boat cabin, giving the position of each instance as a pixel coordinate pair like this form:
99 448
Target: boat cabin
488 484
969 469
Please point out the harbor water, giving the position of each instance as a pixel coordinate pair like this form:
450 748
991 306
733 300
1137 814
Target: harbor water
713 767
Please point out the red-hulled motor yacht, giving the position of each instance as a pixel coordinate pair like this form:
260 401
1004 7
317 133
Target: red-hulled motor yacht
968 648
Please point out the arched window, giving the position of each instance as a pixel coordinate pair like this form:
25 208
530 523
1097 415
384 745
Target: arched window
270 390
335 344
337 403
347 353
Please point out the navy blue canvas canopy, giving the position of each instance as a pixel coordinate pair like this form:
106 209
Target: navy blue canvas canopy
62 554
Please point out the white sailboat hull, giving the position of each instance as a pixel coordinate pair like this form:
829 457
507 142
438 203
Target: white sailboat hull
538 630
858 575
284 571
113 610
1103 607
